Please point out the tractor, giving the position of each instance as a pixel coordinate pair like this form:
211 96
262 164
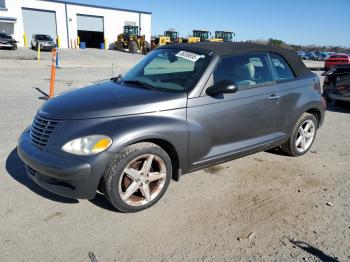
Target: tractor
226 36
131 40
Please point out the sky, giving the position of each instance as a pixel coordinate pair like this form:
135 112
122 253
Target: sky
320 22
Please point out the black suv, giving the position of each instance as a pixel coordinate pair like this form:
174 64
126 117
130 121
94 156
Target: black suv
6 41
182 108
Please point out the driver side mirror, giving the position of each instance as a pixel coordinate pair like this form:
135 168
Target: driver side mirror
222 87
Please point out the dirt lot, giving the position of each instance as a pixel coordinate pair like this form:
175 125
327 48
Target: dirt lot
265 207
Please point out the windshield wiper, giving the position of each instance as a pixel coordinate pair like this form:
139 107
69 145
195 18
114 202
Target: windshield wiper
139 83
117 78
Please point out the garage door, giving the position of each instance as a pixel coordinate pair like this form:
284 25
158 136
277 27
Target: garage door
39 22
7 27
90 30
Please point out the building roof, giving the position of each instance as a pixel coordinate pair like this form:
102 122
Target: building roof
97 6
224 49
8 19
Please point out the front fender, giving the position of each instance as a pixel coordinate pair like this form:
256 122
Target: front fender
168 126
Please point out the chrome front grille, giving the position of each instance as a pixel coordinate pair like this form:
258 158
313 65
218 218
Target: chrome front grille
42 130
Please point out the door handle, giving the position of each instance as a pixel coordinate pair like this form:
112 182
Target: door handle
274 98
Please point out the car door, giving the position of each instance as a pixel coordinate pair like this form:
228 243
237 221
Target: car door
229 125
291 92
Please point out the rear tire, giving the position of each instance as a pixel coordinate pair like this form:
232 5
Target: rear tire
130 184
147 48
132 47
306 137
119 47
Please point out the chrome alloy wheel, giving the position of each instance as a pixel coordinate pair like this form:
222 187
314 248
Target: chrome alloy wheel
305 136
142 180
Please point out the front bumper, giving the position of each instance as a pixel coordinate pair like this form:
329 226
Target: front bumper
6 45
61 173
46 48
339 97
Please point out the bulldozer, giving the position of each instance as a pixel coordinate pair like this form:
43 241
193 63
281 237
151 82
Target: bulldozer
174 36
226 36
131 40
202 36
159 41
170 36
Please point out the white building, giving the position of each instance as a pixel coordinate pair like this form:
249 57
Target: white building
67 21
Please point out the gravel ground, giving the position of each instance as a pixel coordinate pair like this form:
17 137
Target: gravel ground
265 207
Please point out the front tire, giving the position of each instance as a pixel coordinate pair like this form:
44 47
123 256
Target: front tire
133 47
137 177
302 137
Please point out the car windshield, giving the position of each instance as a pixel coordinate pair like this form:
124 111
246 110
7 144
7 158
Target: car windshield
43 37
5 36
170 70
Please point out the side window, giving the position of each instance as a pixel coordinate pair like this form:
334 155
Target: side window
244 70
282 70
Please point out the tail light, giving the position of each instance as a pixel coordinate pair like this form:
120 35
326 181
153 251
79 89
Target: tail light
323 102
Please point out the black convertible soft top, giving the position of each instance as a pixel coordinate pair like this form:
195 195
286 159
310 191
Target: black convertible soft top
224 49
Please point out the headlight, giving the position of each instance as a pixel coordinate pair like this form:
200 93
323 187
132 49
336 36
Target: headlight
88 145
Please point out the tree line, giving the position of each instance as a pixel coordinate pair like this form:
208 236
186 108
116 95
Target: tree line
319 48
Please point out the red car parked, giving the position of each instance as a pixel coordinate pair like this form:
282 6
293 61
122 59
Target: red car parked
336 59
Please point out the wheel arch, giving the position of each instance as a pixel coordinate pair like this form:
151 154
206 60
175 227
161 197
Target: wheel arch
170 149
316 112
179 163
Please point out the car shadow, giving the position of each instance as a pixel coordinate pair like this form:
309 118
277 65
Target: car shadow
276 151
314 251
15 168
340 107
102 202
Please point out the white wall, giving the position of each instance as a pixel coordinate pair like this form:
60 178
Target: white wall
114 20
15 10
146 22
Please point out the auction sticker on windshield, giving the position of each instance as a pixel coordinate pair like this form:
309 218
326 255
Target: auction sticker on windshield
189 56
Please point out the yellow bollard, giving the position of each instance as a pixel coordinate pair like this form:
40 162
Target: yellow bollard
58 41
106 43
38 52
78 41
25 40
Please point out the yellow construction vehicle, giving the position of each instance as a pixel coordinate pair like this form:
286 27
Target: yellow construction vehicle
159 41
170 36
131 40
226 36
174 36
201 36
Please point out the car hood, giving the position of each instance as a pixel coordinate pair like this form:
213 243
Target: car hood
110 99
